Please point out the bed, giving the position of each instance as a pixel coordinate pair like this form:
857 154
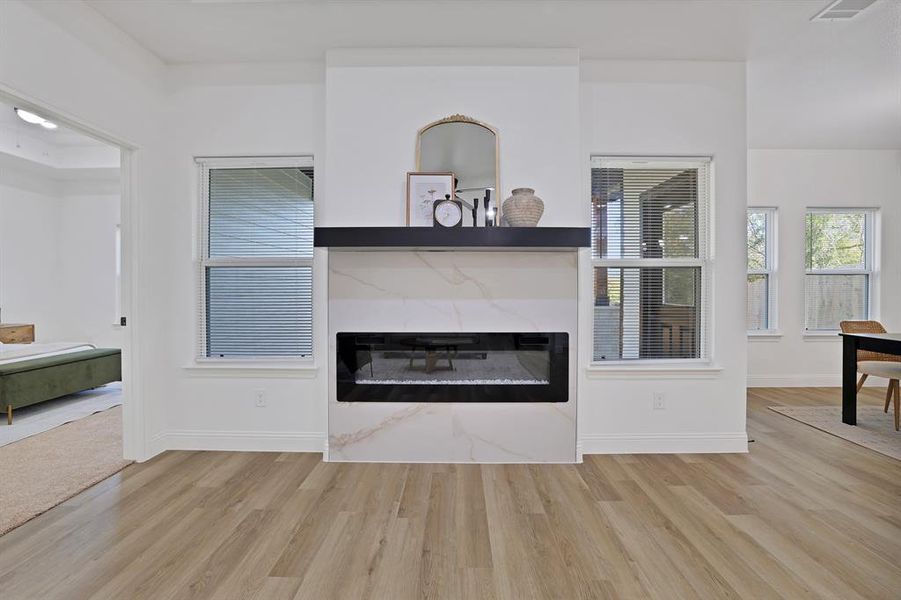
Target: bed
33 373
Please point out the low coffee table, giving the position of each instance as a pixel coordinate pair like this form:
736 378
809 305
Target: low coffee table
433 347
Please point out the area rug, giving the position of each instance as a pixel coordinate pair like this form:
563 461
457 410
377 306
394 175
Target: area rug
874 430
47 469
38 418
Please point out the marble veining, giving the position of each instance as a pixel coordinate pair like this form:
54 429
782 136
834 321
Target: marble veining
455 292
354 437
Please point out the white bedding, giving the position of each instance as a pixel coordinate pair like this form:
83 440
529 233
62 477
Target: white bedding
11 353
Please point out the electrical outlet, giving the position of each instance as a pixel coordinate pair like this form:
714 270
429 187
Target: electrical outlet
659 401
260 400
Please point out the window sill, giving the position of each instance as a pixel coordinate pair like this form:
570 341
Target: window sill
822 336
765 335
652 370
250 368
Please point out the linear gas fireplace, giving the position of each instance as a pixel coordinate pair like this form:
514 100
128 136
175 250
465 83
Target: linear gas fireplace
452 367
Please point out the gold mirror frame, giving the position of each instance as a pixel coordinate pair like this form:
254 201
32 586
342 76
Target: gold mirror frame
497 153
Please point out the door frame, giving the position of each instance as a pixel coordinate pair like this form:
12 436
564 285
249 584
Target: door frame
134 433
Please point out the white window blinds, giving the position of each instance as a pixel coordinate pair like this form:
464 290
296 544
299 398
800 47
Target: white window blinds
650 258
839 266
256 258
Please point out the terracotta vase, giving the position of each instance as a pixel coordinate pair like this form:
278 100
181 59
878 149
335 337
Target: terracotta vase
523 208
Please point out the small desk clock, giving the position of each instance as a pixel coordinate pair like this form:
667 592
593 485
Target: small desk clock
447 212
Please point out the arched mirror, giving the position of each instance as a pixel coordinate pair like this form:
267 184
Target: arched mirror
467 148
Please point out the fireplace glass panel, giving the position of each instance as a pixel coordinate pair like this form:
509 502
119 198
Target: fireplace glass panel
452 367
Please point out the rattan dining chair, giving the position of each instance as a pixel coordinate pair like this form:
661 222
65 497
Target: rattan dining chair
877 364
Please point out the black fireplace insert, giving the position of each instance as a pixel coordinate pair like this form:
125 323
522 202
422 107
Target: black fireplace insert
452 367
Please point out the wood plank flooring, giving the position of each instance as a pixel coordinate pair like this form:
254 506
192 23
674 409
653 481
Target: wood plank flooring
803 515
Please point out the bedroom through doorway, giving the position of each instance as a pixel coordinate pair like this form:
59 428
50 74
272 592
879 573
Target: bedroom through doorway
62 330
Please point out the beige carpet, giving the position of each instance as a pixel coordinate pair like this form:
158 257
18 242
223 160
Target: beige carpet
874 430
44 416
41 471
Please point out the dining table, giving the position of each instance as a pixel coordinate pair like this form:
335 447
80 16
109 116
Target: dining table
888 343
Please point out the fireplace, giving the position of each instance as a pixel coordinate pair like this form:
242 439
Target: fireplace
492 338
452 367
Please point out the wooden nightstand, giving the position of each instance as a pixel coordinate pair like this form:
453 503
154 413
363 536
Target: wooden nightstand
16 333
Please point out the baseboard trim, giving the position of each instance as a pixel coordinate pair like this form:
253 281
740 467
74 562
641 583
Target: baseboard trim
157 445
665 443
827 380
244 441
274 441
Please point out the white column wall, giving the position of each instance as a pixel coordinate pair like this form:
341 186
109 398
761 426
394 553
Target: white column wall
672 108
215 407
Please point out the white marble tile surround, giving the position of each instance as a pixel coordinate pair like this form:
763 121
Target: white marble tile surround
452 291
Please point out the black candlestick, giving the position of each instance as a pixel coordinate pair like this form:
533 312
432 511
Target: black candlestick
475 212
489 220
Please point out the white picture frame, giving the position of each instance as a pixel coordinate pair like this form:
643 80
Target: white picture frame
423 189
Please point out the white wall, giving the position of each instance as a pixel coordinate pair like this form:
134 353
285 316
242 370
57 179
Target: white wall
378 100
210 407
791 181
86 283
682 109
57 256
29 257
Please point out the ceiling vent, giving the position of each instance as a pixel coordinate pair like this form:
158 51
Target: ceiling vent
842 9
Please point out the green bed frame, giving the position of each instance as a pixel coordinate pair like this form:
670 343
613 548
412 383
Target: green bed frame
37 380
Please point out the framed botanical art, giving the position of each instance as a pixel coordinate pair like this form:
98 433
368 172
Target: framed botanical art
423 189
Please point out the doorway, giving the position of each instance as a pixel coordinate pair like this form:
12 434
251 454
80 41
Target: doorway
66 265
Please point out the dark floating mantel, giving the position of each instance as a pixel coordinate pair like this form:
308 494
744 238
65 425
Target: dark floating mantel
463 238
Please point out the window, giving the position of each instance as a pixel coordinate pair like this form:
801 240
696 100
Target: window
839 266
650 257
256 258
761 269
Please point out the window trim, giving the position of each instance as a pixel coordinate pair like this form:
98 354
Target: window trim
871 263
704 261
771 271
203 262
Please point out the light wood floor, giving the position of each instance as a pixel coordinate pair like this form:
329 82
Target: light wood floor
804 515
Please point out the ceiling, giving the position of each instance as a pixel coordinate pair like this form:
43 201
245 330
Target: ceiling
58 154
832 84
13 126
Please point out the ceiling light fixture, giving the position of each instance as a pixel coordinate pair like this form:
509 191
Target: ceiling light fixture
30 117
